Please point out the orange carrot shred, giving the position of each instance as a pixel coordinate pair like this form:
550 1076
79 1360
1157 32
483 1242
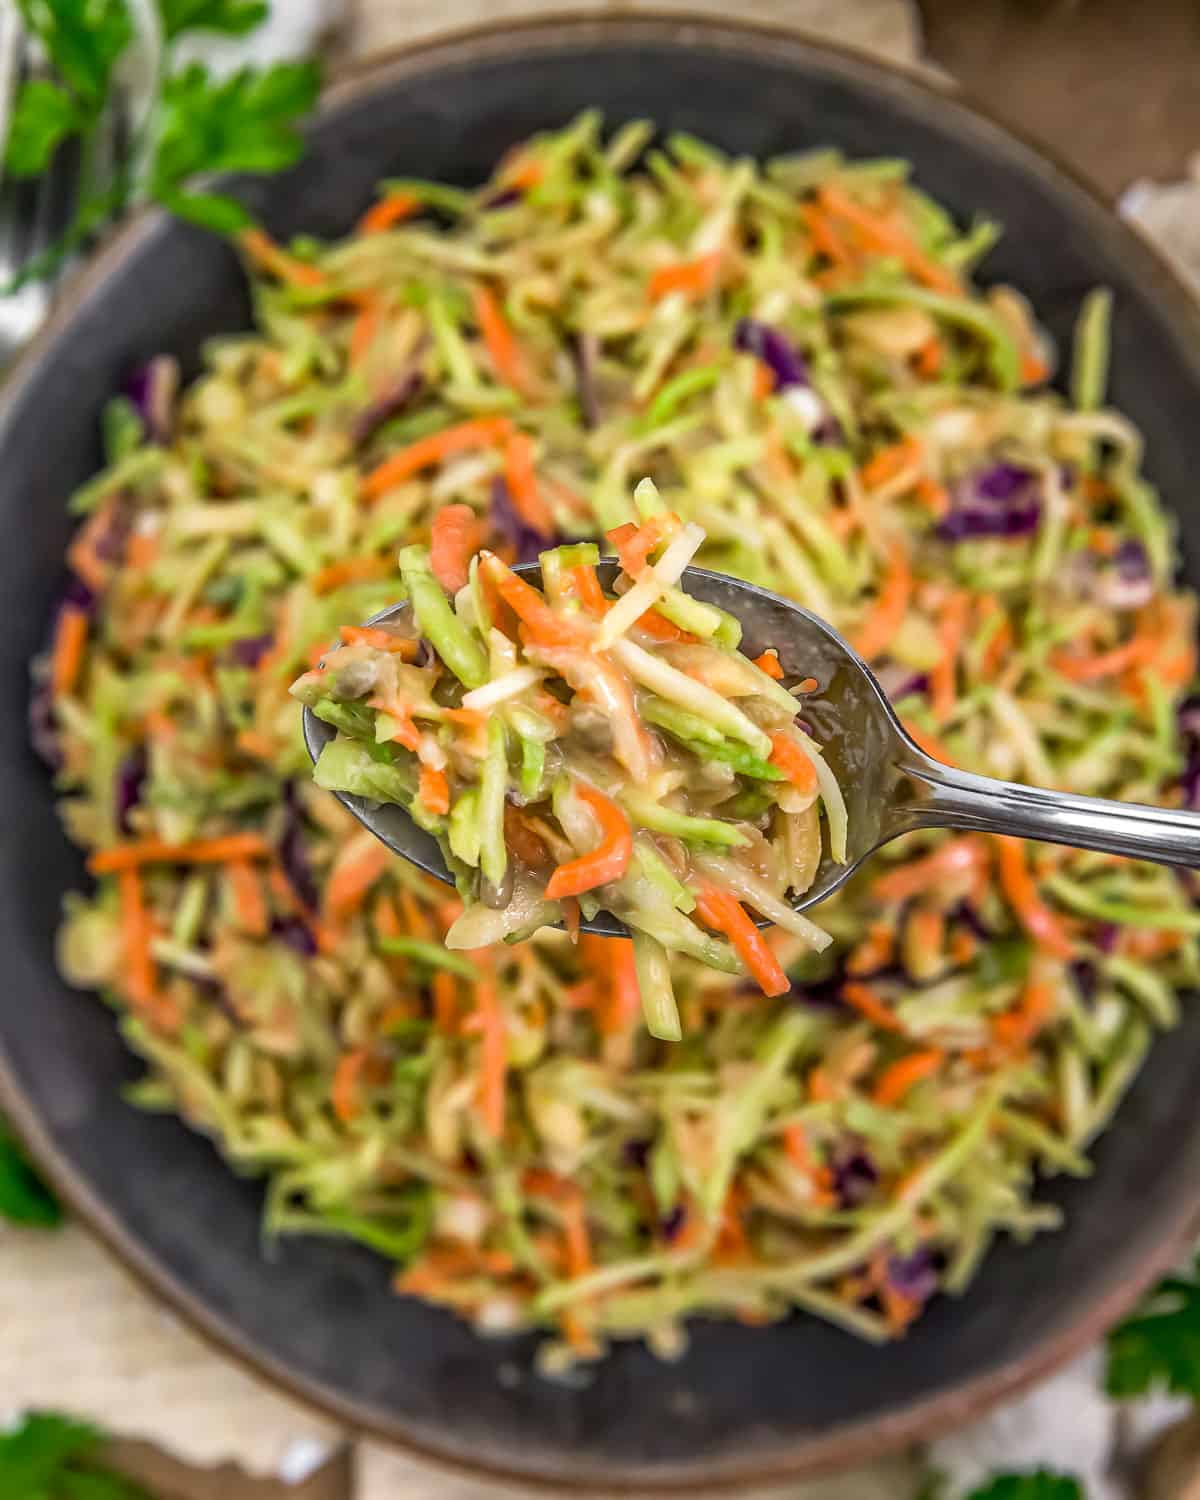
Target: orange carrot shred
724 913
70 644
434 789
868 1002
505 353
900 1077
787 756
195 852
248 899
1044 926
523 485
886 614
344 1091
387 213
454 538
359 864
263 250
608 861
768 662
476 432
694 278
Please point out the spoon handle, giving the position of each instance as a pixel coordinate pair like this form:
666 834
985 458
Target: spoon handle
944 797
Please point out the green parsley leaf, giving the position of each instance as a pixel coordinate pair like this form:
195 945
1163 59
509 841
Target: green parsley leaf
49 1457
209 210
44 116
231 17
33 1454
24 1197
84 38
1038 1485
1159 1346
246 123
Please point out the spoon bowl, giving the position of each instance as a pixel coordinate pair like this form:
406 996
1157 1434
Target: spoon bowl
890 785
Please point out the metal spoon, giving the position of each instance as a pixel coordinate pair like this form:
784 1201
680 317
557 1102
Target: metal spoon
890 786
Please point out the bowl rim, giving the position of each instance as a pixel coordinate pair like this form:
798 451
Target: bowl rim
852 1444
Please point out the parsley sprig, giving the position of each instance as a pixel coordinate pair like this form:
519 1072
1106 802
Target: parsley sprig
1159 1346
196 125
24 1197
49 1457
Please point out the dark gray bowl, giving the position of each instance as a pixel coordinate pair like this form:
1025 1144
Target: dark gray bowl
319 1319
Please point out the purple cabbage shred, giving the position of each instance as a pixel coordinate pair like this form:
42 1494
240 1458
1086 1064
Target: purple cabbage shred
151 388
1001 501
913 1276
1188 719
293 854
43 725
130 782
525 540
251 649
388 405
293 932
854 1175
776 351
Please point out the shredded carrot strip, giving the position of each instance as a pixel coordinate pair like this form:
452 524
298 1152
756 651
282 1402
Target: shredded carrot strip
493 1052
348 570
344 1091
931 357
248 898
623 1004
764 380
825 238
196 852
544 624
1134 653
951 629
135 936
874 952
788 757
142 550
694 278
453 540
269 256
768 662
445 1002
505 353
523 485
359 864
960 856
1018 1027
899 1077
933 496
1034 368
881 237
890 462
476 432
381 640
364 330
724 913
434 790
634 544
886 614
870 1003
70 644
82 556
387 213
608 861
1044 926
586 587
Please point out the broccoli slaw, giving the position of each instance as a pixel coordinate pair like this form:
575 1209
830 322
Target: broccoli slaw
574 752
797 355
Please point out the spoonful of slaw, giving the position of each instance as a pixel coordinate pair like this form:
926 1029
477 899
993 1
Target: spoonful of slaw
633 745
